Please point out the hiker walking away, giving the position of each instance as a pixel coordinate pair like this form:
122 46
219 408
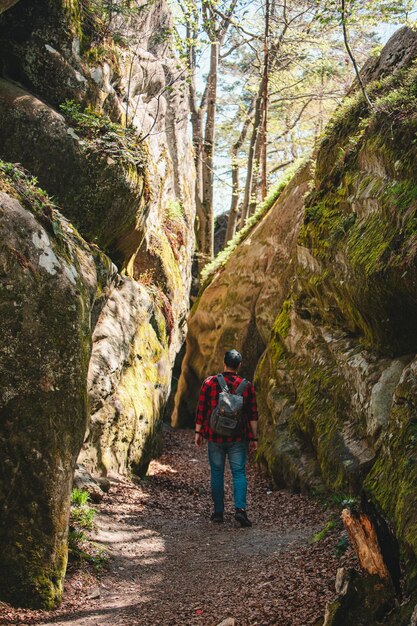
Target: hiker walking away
228 417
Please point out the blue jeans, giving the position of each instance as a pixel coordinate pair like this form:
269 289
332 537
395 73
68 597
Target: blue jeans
236 452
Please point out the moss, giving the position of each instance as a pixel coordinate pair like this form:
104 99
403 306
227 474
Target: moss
283 321
132 437
368 243
162 248
367 601
357 285
392 482
110 138
366 256
46 399
322 534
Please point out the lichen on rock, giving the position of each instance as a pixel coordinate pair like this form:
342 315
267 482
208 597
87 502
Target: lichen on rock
47 285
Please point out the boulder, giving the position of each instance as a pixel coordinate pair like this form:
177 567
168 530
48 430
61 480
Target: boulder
128 382
47 287
365 601
103 197
85 482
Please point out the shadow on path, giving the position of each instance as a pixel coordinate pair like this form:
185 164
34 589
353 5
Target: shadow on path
170 567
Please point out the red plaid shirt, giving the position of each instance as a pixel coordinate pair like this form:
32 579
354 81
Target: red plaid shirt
207 402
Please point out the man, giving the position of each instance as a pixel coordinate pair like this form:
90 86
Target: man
233 447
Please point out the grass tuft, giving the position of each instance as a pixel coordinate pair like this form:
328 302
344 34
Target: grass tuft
80 546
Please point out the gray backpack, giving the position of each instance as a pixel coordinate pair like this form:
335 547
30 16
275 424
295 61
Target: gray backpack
227 417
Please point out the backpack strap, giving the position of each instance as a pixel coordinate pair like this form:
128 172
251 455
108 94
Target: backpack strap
242 386
222 382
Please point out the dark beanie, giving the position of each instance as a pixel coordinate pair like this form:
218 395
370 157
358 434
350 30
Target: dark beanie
232 358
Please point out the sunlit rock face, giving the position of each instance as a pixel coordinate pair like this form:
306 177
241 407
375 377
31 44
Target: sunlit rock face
67 93
238 307
336 381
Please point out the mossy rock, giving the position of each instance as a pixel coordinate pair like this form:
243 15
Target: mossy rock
47 285
129 381
392 482
104 197
342 344
367 601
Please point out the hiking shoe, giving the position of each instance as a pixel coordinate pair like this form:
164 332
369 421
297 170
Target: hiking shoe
242 518
216 517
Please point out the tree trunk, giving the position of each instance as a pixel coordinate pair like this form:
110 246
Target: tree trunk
197 131
365 541
253 199
351 56
264 133
234 205
206 234
251 156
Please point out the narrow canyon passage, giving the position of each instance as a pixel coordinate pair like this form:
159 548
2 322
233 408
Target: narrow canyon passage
170 566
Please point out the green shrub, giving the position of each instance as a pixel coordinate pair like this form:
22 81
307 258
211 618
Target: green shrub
18 183
343 500
80 546
83 516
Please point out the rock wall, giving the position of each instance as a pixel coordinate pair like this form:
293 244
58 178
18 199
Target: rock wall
48 282
336 383
237 308
93 104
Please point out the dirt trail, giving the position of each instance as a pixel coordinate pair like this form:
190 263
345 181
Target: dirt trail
170 566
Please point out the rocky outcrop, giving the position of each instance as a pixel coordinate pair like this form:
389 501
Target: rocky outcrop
93 105
104 197
6 4
129 378
237 308
48 282
336 383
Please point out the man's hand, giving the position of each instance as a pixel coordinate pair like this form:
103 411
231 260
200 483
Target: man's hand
198 439
253 445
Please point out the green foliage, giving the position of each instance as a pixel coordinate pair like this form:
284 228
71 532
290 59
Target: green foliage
342 545
80 546
106 136
343 500
79 497
97 20
327 528
110 9
21 185
76 538
83 517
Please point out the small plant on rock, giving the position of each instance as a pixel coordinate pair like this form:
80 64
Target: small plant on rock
98 131
80 546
